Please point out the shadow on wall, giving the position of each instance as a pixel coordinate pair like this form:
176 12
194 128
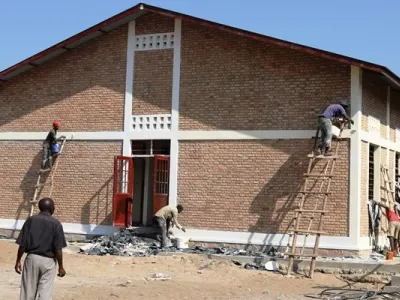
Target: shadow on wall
276 200
98 210
27 186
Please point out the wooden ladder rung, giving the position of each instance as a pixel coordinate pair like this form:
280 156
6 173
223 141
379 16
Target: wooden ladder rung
308 231
42 184
322 156
317 211
33 201
303 255
318 175
314 193
41 171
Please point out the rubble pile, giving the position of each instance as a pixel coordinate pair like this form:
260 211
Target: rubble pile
130 243
123 243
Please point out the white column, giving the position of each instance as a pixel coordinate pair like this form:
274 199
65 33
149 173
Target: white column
388 113
176 74
355 156
130 63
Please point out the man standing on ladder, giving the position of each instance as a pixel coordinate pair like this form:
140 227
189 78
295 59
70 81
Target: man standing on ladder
49 142
325 124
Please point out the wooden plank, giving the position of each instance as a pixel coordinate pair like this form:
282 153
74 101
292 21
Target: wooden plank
318 175
322 156
308 231
317 211
313 193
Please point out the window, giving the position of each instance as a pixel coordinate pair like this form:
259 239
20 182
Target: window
371 172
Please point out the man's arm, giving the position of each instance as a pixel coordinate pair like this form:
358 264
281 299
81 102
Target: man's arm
59 243
22 242
175 220
346 117
18 265
59 256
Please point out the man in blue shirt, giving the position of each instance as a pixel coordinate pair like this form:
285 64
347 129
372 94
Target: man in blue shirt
325 124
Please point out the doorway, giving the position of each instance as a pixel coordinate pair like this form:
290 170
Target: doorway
151 179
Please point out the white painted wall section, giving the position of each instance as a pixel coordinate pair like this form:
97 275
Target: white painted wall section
130 64
355 156
174 150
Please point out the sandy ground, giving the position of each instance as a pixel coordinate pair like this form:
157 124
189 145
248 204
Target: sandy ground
110 277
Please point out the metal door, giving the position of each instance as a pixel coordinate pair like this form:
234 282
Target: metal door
123 191
161 182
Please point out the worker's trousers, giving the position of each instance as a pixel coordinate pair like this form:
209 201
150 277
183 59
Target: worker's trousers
164 225
325 127
47 158
38 278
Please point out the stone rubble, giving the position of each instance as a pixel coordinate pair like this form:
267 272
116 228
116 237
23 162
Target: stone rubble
128 242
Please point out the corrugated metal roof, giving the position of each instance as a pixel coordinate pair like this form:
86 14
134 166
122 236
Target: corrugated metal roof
141 9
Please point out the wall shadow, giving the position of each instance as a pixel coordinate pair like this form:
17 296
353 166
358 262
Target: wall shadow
98 209
27 186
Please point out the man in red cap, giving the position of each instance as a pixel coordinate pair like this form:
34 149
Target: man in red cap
47 159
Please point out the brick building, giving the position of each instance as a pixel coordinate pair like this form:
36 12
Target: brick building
216 118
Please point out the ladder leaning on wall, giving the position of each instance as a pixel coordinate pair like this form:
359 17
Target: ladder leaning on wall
39 184
324 178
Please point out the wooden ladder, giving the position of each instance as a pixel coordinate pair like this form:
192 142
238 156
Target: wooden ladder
388 188
40 184
325 179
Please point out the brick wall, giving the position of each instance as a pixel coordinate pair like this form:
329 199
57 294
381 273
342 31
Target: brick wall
364 189
82 186
152 87
394 113
247 185
84 88
230 82
374 101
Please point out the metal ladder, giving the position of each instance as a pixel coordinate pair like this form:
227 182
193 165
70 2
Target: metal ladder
40 184
324 179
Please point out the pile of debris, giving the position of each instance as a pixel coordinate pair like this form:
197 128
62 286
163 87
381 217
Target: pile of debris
123 243
132 243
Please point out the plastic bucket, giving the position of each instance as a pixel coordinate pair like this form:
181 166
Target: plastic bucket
55 148
182 243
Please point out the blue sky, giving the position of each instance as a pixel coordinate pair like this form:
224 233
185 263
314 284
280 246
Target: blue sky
365 29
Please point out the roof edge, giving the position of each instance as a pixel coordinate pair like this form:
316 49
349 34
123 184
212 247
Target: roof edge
241 32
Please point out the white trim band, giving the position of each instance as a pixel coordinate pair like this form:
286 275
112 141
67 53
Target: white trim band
40 136
250 134
379 141
211 236
87 229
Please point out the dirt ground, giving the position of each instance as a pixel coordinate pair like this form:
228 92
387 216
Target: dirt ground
110 277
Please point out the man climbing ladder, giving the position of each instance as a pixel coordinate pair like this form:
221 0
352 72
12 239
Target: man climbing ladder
325 124
51 146
317 185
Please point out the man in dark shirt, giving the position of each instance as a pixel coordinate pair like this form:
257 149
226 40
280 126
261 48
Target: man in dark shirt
47 159
325 124
42 238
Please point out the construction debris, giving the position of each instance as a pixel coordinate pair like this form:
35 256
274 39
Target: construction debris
130 243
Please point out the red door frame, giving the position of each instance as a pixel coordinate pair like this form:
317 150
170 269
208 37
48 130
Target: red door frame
123 191
160 182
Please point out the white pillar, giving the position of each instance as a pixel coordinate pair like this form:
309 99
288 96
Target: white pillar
130 62
174 151
355 156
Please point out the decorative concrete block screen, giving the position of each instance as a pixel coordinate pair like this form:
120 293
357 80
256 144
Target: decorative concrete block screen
151 122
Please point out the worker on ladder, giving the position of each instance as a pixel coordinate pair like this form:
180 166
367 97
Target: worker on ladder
325 124
51 146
